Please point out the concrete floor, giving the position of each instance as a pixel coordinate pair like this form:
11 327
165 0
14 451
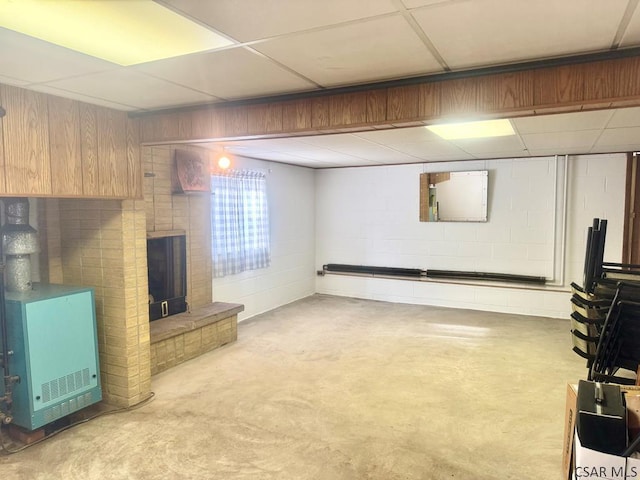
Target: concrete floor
337 388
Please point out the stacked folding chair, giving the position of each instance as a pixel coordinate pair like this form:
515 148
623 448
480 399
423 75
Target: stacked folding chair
619 344
590 307
587 319
606 311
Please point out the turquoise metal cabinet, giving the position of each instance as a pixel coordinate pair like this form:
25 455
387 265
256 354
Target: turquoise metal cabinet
52 334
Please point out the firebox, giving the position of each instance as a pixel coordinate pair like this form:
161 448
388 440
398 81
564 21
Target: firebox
167 265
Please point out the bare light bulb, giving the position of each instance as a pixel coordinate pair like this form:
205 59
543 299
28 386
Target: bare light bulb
224 162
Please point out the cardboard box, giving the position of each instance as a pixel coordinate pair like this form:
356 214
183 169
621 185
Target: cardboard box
569 428
633 413
590 464
579 463
633 469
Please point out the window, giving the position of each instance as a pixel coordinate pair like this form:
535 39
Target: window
239 222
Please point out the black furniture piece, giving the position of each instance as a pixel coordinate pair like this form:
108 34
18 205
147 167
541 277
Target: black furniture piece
608 294
619 341
601 421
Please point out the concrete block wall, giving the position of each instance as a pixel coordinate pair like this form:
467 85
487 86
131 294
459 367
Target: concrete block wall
291 276
598 186
369 216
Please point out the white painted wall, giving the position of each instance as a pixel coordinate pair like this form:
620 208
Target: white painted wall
369 216
291 197
597 183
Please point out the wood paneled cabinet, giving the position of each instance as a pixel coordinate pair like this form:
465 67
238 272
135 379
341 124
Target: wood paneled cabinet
56 147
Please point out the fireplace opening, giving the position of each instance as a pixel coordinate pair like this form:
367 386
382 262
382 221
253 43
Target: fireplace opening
167 268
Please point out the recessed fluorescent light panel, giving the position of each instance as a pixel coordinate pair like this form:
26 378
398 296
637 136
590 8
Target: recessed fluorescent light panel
482 129
123 32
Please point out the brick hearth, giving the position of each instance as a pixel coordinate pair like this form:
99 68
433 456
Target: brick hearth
182 337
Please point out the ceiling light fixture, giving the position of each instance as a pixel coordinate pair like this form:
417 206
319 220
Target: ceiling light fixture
481 129
224 162
125 33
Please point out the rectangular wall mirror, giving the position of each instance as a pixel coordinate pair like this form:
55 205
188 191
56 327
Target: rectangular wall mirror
454 196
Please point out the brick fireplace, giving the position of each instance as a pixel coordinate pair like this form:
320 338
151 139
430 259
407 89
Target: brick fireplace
103 244
181 337
181 213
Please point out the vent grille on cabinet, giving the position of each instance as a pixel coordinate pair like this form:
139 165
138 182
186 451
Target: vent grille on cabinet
65 385
68 407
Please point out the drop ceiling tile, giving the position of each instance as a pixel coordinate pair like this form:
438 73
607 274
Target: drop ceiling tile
545 152
631 35
82 98
383 155
289 145
625 117
279 157
377 49
12 81
563 122
32 60
337 142
350 144
399 136
229 74
254 19
620 136
421 3
239 150
353 163
426 149
132 88
578 142
353 145
396 157
399 160
326 155
489 32
450 157
293 160
325 165
614 149
378 155
511 143
494 155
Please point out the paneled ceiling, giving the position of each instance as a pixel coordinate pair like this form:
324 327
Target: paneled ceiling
290 46
601 131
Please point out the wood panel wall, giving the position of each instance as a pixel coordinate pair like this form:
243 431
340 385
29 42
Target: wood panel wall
631 239
26 142
112 164
65 147
89 136
3 187
568 88
56 147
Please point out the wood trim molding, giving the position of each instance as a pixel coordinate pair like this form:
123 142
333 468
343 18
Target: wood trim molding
538 91
630 242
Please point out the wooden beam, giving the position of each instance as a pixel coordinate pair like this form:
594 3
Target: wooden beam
536 91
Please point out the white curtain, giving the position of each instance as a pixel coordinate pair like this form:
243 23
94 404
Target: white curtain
239 222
